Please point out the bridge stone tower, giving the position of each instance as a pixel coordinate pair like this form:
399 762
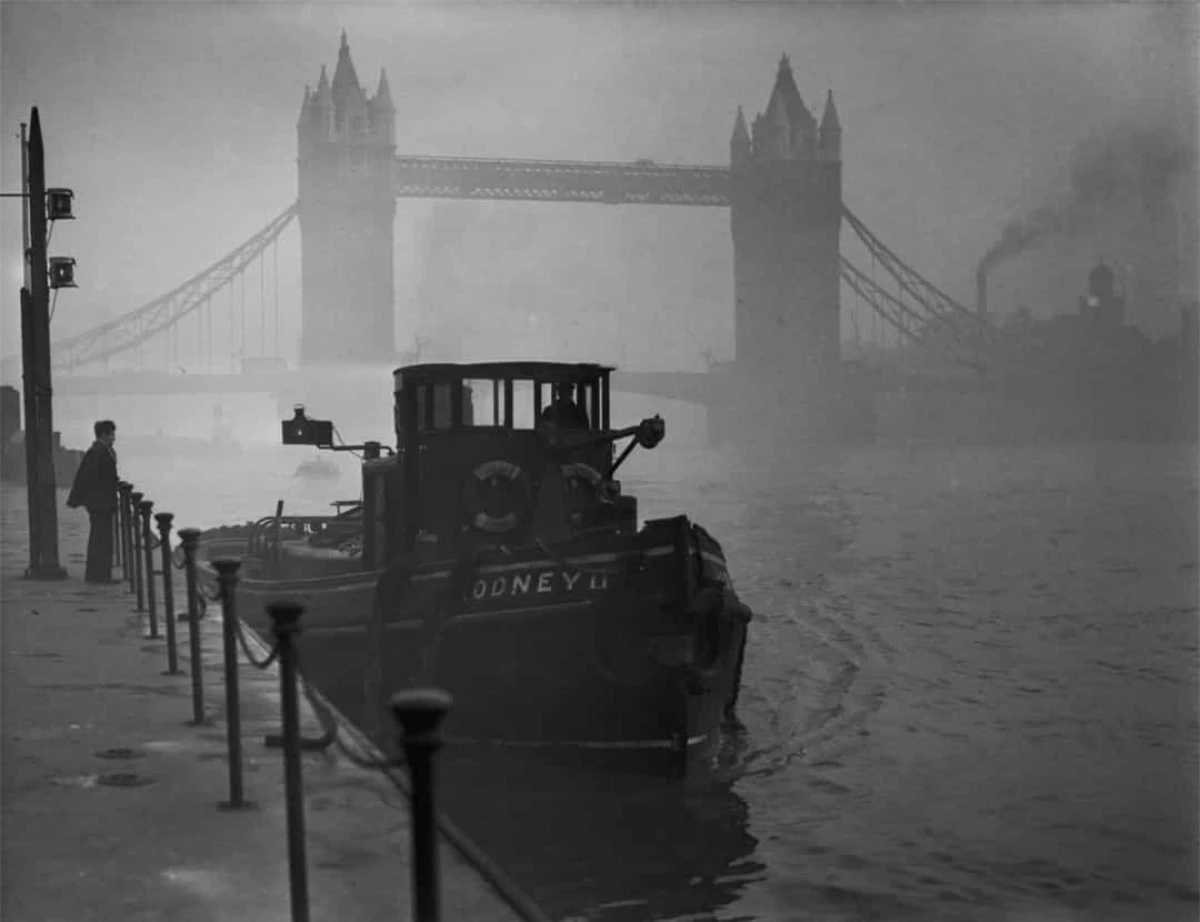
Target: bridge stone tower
347 208
786 213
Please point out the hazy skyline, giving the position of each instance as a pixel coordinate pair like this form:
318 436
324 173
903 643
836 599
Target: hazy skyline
175 125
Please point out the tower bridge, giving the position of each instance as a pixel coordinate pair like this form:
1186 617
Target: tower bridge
782 188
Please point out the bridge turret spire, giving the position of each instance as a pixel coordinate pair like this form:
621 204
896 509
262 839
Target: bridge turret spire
383 111
802 138
776 131
320 109
305 110
739 144
349 100
831 131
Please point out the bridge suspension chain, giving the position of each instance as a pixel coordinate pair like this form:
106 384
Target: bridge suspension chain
132 329
899 316
886 305
943 310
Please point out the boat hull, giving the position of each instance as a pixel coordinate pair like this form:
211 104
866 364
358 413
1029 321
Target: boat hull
633 648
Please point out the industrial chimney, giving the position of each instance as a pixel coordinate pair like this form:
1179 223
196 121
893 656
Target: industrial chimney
981 305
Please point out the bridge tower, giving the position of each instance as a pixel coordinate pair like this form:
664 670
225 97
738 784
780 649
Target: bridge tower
347 208
786 213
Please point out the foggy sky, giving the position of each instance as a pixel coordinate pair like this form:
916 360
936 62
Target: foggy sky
175 125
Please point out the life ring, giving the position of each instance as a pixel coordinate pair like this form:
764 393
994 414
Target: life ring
602 490
485 479
581 471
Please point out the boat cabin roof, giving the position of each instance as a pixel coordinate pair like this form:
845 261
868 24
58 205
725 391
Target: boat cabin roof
501 395
548 372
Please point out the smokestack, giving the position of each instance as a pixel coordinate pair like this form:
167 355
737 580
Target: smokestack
981 306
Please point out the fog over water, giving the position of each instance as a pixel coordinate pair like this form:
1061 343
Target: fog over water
971 684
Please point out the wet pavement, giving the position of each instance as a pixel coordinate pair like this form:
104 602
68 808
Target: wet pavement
111 797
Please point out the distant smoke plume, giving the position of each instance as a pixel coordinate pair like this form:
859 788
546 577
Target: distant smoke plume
1132 163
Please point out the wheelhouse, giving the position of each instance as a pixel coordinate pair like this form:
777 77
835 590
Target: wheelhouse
524 430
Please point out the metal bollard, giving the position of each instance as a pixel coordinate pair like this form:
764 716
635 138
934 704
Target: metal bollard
135 498
189 538
131 557
164 534
116 534
285 622
126 548
144 507
419 714
227 574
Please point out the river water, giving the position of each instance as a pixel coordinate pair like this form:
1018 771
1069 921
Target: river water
970 692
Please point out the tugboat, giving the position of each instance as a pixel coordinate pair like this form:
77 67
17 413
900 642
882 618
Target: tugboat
493 554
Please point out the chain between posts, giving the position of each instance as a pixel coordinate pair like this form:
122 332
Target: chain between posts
418 712
330 728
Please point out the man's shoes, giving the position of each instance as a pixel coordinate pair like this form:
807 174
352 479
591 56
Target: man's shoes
104 582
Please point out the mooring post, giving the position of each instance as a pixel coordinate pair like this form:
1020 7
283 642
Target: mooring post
419 714
189 538
124 488
116 534
144 507
285 622
227 576
135 497
164 542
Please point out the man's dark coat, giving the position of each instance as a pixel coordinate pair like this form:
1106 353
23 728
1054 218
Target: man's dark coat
95 485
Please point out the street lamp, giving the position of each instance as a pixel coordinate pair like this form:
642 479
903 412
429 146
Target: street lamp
62 272
40 206
58 204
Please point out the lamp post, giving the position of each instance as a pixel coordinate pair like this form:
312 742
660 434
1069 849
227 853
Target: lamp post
40 204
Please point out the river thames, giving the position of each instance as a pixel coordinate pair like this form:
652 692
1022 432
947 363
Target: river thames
970 691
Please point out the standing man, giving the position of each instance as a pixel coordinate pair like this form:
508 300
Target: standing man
95 488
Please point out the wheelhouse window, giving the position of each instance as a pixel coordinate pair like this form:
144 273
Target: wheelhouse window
570 405
516 403
436 405
524 409
484 397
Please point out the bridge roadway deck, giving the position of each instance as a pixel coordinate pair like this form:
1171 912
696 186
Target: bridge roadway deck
702 388
643 183
80 679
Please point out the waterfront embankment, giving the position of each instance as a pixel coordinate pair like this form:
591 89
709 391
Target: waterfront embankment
111 799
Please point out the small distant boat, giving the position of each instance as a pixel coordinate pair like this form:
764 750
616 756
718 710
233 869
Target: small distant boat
317 469
493 554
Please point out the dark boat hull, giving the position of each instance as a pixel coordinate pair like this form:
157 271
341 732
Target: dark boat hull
630 646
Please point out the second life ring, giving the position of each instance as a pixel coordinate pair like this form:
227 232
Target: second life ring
584 488
580 473
602 490
490 481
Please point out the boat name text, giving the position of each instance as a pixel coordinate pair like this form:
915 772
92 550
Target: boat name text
538 582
